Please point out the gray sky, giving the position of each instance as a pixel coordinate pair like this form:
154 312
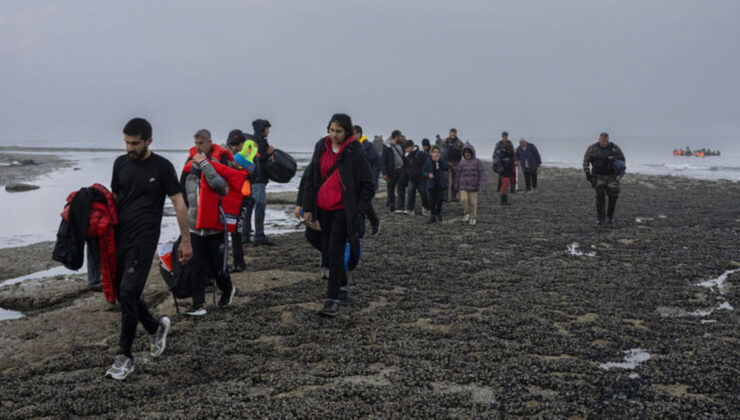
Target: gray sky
78 70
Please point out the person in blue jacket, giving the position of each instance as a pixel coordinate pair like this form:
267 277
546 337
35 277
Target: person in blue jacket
529 160
435 170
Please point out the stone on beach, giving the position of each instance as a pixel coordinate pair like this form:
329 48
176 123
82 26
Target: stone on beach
20 187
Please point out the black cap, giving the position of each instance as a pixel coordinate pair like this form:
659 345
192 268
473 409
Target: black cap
408 143
236 137
425 142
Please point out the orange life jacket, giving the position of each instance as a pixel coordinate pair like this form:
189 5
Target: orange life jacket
209 200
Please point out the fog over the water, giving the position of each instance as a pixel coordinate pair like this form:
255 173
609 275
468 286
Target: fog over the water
74 72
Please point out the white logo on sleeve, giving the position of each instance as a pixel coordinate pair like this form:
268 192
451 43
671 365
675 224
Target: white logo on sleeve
152 179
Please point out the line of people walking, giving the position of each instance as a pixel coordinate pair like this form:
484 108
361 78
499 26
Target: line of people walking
220 187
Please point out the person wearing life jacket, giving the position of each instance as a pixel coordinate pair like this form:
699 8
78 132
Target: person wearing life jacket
208 186
338 195
244 158
599 166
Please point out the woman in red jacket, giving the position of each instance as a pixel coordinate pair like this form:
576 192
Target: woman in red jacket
338 193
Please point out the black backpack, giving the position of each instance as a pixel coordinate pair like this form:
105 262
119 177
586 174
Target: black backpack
281 168
416 162
178 278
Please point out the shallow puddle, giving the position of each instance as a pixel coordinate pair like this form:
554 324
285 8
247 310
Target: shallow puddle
6 314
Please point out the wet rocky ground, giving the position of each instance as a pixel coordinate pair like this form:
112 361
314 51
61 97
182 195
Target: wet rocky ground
18 167
533 312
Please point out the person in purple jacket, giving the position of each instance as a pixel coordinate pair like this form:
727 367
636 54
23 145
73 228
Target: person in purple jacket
471 178
529 160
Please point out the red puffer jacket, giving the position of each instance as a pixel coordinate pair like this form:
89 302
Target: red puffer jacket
101 221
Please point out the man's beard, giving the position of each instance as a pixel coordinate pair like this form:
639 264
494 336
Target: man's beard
137 156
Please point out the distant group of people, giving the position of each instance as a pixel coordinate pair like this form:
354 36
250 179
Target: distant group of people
219 188
697 153
450 171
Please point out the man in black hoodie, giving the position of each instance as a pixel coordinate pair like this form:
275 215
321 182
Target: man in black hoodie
259 184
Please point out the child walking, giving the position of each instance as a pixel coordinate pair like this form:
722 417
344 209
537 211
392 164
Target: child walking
434 173
471 178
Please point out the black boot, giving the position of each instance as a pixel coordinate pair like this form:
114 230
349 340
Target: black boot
432 219
600 204
611 206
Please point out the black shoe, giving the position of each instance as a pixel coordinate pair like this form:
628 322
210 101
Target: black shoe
432 220
344 299
599 221
238 268
610 220
375 228
227 297
264 241
331 308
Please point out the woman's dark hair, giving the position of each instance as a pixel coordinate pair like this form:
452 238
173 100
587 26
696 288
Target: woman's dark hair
435 147
138 127
344 121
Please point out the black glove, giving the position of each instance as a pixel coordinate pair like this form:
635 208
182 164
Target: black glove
592 179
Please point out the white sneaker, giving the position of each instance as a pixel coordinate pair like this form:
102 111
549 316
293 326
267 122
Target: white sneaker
425 212
121 368
159 339
195 311
466 217
399 212
472 222
409 212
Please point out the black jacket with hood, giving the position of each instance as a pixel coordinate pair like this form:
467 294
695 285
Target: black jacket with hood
358 190
260 175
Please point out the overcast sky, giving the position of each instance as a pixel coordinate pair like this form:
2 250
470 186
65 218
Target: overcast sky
78 70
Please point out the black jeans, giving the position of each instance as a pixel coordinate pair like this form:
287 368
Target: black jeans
435 200
133 268
238 234
530 179
397 185
333 243
207 262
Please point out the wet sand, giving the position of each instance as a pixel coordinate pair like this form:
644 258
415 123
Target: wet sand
499 319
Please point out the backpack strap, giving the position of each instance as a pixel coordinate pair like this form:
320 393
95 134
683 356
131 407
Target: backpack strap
403 158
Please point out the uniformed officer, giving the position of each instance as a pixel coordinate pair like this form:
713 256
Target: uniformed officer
604 166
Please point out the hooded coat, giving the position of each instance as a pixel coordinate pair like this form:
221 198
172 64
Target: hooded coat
357 188
260 174
439 170
471 173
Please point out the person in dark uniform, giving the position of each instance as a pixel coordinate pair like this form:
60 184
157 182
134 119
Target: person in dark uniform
599 165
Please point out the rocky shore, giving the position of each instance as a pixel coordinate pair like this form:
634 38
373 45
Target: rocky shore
533 312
